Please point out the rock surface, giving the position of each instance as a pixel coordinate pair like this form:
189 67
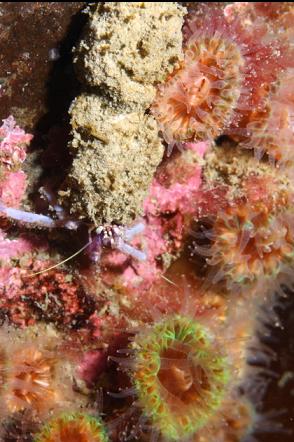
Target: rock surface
127 48
116 156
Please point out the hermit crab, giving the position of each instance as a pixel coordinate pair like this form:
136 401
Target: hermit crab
105 236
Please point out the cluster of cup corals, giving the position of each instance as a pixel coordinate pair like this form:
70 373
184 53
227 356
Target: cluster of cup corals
169 371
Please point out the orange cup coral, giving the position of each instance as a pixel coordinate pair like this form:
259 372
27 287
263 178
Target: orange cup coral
253 238
224 80
198 98
35 375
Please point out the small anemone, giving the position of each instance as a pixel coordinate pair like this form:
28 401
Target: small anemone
274 133
179 376
252 242
75 427
262 61
36 375
198 99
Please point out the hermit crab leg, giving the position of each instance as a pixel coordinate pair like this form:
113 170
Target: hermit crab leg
129 233
35 218
130 250
27 217
126 235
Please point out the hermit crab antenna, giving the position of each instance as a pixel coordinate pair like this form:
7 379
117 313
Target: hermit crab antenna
61 262
168 280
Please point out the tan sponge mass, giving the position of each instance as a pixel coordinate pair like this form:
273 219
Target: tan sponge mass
129 47
114 165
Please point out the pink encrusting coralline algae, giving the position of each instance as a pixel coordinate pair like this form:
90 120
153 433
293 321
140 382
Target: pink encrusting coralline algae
151 321
13 141
12 182
24 297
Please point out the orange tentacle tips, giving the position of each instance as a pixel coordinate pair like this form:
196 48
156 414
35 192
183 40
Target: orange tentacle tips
199 97
36 374
179 375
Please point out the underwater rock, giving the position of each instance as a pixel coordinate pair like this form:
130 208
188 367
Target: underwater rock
32 85
117 154
128 48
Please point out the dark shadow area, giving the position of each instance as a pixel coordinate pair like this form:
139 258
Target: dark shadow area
52 129
271 384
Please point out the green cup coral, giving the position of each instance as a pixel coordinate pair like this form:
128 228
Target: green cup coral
73 427
179 376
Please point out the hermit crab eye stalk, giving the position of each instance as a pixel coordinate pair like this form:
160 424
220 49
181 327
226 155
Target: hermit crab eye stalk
117 237
179 376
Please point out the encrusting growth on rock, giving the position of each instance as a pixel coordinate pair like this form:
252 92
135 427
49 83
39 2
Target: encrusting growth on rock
130 47
117 153
126 50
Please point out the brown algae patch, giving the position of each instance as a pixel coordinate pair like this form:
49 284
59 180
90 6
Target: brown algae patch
127 48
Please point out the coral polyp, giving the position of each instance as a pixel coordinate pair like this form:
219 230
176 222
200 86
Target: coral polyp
251 244
34 376
274 133
263 59
75 427
31 380
198 99
179 376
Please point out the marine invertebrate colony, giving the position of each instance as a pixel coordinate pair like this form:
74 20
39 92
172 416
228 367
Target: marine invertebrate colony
179 376
144 41
181 358
115 143
117 171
